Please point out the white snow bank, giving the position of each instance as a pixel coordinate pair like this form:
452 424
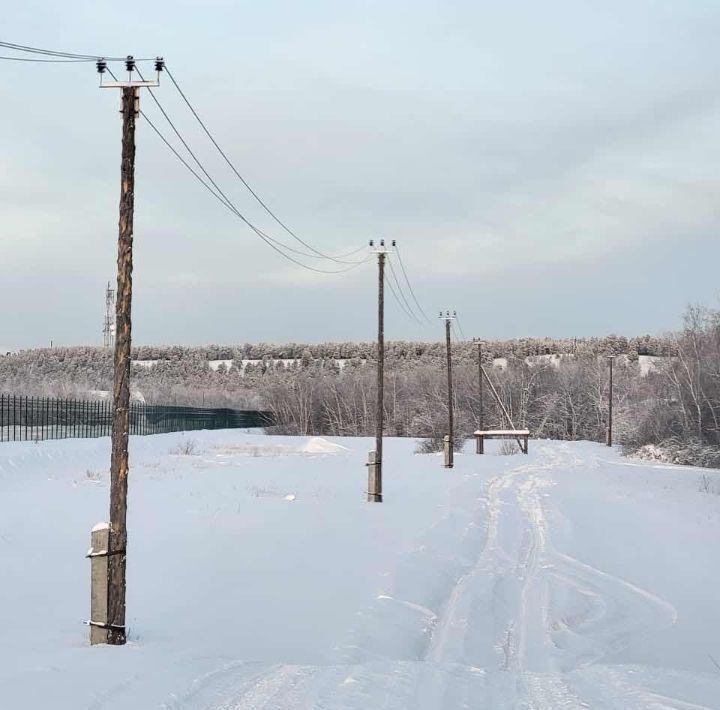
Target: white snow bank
501 583
318 445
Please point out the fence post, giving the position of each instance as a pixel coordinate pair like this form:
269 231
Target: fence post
98 554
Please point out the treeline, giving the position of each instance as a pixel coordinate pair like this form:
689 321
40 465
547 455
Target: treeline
517 348
182 375
330 388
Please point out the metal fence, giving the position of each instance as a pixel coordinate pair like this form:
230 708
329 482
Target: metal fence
40 418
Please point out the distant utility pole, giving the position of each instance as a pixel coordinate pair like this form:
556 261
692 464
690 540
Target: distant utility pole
450 442
375 460
119 464
108 325
611 359
481 408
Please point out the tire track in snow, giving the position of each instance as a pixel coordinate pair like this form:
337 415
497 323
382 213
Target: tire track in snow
496 634
229 679
523 574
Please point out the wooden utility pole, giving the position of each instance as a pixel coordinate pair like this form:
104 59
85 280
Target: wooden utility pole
375 461
121 382
449 454
481 407
611 358
119 461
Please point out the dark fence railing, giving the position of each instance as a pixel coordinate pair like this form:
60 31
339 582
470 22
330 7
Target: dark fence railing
40 418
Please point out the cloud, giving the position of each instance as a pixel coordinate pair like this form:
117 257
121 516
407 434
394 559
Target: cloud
491 140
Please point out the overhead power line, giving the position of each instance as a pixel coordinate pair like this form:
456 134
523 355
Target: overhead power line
228 205
408 308
397 299
46 61
457 319
240 177
262 234
455 333
412 290
226 202
285 250
68 55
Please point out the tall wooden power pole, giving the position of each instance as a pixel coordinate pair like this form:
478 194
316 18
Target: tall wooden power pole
374 493
611 358
481 407
119 461
449 454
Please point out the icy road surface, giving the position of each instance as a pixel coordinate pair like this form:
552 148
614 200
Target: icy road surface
259 578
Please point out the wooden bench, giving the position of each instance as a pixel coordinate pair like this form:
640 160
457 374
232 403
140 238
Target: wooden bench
520 434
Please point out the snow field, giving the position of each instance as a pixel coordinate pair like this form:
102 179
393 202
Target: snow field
259 578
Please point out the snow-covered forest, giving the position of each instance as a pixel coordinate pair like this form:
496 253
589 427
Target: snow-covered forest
665 388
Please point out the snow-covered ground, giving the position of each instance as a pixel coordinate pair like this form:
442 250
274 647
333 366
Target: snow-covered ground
258 577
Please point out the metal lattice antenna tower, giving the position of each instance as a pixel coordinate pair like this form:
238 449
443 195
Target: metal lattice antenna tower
109 322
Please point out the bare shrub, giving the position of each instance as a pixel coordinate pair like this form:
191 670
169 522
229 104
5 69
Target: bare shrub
508 447
677 451
188 447
436 444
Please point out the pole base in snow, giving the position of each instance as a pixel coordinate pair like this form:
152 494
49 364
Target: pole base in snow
448 452
374 468
98 554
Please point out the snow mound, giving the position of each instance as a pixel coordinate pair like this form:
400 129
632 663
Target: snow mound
318 445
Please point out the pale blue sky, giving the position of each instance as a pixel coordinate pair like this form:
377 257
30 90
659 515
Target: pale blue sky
547 168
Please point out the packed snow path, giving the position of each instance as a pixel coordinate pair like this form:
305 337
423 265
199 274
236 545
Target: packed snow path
259 579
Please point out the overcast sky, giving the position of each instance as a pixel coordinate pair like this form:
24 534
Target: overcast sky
547 168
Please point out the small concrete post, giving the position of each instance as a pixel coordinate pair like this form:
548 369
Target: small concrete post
374 494
448 451
99 541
